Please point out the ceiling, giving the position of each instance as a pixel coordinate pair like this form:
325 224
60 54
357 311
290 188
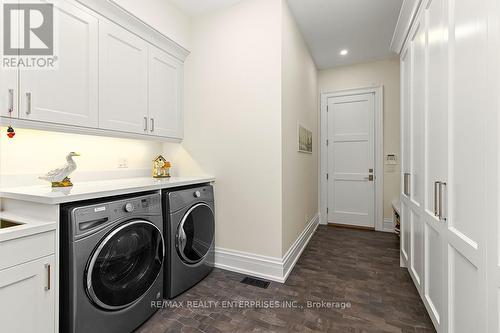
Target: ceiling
198 7
364 27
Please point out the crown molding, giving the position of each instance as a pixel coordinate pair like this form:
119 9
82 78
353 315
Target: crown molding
111 10
407 15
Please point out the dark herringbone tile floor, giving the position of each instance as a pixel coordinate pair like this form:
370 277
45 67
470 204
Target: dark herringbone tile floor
358 270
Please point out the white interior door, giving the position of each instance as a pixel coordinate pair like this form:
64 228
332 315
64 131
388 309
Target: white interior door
123 80
351 160
69 93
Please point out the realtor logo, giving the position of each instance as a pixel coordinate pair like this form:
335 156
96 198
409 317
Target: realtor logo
28 29
28 36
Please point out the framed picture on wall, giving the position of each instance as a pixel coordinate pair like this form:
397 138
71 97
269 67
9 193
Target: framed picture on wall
305 140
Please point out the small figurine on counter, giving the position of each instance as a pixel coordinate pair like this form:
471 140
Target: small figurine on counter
10 132
60 177
161 167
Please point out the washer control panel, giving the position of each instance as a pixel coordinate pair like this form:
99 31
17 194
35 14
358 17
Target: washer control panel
129 207
90 217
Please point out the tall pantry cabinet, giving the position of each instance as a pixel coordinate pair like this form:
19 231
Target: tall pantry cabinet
449 124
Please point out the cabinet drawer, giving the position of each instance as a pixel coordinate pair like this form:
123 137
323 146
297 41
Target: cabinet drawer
20 250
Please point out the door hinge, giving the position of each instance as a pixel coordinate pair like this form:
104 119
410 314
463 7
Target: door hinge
327 107
327 210
327 142
327 176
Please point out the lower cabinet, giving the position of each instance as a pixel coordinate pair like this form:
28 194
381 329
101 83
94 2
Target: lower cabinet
27 297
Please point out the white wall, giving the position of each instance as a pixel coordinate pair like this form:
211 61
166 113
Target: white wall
162 15
32 153
377 73
233 122
299 105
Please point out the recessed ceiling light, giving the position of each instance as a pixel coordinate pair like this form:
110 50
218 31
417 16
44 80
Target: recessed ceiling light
344 52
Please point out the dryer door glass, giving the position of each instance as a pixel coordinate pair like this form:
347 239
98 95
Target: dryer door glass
125 265
195 234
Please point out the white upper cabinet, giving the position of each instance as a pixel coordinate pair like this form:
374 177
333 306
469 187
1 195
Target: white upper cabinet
165 94
113 73
67 94
8 94
123 80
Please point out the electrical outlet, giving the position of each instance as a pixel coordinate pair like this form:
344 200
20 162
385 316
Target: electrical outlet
122 163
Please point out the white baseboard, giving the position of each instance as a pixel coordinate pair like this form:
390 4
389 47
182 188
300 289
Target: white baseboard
269 268
293 254
388 225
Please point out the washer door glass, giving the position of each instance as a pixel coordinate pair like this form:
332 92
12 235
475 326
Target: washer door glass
195 233
125 265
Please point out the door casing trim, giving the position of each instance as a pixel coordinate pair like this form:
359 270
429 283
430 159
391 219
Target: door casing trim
378 92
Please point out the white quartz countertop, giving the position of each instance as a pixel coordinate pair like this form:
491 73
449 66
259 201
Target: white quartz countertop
96 189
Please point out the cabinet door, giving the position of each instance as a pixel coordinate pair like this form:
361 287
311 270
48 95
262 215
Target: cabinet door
123 79
436 160
27 297
466 192
8 93
405 151
67 94
165 94
416 166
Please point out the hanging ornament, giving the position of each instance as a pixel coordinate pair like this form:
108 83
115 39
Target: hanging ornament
10 132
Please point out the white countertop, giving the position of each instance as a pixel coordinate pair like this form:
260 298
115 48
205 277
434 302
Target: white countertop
96 189
27 227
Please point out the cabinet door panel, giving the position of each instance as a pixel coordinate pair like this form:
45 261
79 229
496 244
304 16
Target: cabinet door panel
67 94
8 87
417 114
28 305
466 191
8 93
123 79
405 151
436 159
416 146
165 94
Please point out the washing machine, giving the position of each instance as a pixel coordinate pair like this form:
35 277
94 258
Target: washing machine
190 229
111 267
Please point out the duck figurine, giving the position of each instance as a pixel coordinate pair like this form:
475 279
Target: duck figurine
60 177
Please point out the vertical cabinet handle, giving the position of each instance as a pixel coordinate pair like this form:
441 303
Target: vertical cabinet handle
442 185
28 103
406 186
436 198
47 267
152 125
145 124
11 101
